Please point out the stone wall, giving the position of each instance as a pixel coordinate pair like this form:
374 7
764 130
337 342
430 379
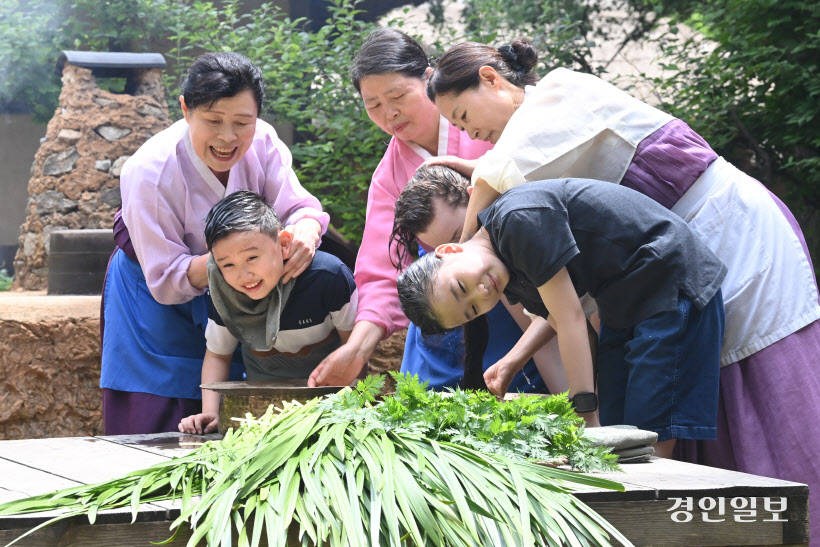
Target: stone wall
50 365
74 180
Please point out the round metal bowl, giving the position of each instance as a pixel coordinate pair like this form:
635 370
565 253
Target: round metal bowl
241 398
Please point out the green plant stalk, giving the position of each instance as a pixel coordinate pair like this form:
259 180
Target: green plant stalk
345 484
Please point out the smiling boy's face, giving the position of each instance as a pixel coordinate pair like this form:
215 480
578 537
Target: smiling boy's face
467 284
252 262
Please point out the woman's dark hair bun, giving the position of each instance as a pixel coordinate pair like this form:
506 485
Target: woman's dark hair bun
520 56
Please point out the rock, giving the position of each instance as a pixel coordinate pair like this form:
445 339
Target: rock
29 245
81 183
60 162
102 165
51 368
151 110
112 197
69 136
53 202
116 168
111 133
104 102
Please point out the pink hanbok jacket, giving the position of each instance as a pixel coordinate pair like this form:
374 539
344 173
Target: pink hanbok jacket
375 274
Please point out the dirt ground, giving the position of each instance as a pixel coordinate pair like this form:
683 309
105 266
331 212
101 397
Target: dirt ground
50 365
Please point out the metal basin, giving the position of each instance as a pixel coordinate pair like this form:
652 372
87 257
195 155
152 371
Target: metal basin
239 398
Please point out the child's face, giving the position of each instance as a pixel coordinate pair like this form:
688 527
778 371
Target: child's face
252 262
446 225
469 283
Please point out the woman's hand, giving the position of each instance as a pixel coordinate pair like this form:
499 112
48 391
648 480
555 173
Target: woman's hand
465 167
306 235
339 368
342 366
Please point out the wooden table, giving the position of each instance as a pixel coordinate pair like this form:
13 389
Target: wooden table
665 502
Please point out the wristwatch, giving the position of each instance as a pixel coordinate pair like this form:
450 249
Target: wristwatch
584 402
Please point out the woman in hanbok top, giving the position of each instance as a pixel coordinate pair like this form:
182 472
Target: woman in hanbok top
155 308
576 125
390 73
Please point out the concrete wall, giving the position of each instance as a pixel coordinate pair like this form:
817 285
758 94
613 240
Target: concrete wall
19 140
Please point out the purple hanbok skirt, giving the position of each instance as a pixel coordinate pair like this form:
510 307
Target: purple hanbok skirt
769 402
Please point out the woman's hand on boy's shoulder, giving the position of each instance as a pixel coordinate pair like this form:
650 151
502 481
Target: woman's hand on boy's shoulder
199 424
306 236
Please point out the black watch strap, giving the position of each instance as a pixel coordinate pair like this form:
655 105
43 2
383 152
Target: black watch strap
584 402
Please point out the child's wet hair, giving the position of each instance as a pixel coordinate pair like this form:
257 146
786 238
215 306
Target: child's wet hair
242 211
414 207
415 287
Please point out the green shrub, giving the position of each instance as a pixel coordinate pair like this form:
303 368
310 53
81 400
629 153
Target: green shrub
5 280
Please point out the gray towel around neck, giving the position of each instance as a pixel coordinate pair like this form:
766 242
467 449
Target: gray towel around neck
254 323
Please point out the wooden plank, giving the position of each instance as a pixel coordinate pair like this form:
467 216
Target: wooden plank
655 525
672 478
83 459
169 445
20 481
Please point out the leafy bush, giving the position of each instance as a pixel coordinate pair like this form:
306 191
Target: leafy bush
5 280
752 89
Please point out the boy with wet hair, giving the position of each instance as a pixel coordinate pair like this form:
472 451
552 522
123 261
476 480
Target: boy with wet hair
656 284
285 329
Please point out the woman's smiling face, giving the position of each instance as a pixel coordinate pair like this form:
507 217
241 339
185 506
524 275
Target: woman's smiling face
222 132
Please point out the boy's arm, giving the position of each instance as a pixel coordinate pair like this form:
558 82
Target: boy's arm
482 196
215 368
568 319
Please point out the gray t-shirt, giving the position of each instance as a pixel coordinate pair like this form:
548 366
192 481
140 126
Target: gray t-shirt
630 253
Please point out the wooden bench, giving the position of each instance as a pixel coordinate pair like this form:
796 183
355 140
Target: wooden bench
665 502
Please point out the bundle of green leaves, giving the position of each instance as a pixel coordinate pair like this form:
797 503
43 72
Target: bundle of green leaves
310 475
530 427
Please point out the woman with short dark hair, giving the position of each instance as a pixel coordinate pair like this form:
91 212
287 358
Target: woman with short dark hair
154 307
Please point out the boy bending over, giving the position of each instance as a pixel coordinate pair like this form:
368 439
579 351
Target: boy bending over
656 284
285 329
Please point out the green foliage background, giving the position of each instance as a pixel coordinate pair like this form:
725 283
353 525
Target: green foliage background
751 88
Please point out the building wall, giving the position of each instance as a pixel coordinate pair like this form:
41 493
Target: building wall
19 140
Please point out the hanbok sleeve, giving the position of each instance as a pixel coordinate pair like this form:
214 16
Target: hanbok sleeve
375 274
157 231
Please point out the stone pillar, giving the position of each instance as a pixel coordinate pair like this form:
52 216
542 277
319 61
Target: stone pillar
74 180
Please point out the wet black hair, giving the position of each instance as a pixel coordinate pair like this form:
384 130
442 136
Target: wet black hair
216 76
414 207
415 296
242 211
387 51
457 70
